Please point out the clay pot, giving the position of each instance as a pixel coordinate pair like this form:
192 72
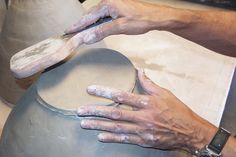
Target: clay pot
2 13
28 22
37 127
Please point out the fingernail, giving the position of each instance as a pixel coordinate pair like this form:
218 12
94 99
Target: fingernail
101 137
92 89
105 92
83 123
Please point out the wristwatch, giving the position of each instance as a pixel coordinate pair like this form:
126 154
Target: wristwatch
216 145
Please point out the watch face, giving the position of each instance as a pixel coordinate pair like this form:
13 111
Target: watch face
204 154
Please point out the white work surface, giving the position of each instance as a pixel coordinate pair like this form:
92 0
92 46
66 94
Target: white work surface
199 77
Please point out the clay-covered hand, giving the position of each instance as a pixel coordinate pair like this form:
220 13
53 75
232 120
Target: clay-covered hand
158 119
129 17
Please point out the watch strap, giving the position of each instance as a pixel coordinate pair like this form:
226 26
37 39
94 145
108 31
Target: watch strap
219 140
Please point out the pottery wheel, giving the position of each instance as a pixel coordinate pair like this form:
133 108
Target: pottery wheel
65 86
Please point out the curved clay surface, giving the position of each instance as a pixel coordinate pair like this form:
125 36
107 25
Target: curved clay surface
2 13
28 22
35 131
65 86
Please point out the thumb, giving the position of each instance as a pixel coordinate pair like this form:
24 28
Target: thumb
147 84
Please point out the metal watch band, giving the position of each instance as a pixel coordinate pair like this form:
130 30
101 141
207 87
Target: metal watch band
219 140
216 145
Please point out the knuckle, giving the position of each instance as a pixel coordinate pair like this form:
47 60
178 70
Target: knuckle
116 114
118 127
121 25
118 96
144 100
101 32
98 32
151 138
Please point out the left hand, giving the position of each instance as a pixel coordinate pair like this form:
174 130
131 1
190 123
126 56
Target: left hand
158 119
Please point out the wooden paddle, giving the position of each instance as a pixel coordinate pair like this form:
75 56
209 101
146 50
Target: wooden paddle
49 52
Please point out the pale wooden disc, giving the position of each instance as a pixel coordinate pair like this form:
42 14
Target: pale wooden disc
65 86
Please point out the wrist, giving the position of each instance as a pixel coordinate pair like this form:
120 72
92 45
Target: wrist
197 135
202 136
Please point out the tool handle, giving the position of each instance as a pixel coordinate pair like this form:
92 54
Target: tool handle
42 55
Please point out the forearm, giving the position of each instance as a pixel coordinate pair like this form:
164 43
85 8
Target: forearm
230 148
211 29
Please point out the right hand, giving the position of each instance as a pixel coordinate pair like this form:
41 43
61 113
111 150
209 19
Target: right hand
158 119
130 17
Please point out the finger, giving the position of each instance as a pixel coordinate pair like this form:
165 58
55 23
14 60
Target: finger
66 50
85 37
97 12
103 30
111 126
71 45
147 84
134 100
120 138
107 112
91 35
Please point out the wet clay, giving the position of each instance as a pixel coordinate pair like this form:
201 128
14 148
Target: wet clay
65 87
28 22
2 13
37 126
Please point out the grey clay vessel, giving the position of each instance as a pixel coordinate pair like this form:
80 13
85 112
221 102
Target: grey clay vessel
34 130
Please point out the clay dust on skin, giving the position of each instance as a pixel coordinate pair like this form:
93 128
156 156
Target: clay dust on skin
105 92
144 101
89 36
93 17
89 19
123 138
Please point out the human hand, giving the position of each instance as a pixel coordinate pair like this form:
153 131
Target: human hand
129 17
158 119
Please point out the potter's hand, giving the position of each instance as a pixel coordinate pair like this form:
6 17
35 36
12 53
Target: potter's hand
129 17
157 120
136 17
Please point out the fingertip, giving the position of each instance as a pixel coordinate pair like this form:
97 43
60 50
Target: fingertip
147 84
101 137
100 91
70 29
140 72
83 124
91 89
142 76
